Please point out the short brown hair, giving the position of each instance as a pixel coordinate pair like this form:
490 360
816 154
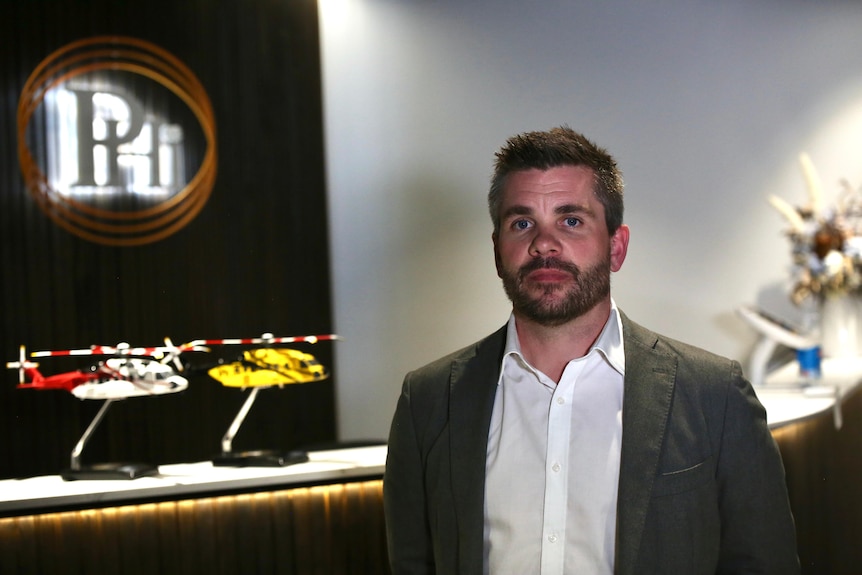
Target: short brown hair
560 146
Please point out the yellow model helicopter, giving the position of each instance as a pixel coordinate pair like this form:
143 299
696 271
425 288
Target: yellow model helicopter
258 369
268 367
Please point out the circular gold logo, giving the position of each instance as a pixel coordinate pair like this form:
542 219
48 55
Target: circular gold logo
117 140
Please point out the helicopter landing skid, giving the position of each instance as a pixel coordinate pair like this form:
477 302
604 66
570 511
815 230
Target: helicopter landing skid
103 470
265 458
110 471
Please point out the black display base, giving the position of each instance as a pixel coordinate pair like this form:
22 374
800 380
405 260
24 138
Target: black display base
260 458
110 471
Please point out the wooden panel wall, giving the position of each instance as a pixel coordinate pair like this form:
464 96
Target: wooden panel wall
304 531
254 260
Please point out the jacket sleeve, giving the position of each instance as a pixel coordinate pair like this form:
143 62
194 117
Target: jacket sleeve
405 508
758 533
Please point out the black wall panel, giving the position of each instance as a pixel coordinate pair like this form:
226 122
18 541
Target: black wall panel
254 260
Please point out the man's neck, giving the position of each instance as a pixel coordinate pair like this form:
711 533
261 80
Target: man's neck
550 348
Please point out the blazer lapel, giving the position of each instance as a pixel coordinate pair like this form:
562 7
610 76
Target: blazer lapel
647 394
473 385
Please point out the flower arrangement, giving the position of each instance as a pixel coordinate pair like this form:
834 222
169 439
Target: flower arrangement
826 241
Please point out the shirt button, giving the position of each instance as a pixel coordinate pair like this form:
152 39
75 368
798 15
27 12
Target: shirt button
560 401
552 538
556 467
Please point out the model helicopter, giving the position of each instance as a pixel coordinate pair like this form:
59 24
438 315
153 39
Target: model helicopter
257 369
268 367
129 372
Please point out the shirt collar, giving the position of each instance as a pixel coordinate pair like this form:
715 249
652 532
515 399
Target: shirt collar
609 343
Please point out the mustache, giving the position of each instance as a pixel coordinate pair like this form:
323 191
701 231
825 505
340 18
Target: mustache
550 264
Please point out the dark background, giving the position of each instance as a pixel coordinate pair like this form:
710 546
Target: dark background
254 260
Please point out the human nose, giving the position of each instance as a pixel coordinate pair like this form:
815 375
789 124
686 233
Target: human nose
544 243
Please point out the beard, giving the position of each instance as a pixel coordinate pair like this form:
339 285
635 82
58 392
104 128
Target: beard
588 287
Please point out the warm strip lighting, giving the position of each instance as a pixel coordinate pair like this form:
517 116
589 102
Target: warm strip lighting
323 529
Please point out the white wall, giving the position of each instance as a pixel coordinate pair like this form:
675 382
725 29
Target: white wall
705 104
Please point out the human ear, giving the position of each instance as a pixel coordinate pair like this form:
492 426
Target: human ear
619 247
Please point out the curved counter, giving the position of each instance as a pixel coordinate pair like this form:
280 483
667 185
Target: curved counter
788 399
52 493
818 429
322 516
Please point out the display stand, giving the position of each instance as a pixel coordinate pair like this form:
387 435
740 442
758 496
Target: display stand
259 458
103 470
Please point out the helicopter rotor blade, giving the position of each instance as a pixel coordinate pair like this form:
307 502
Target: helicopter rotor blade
22 364
120 349
92 350
266 338
173 355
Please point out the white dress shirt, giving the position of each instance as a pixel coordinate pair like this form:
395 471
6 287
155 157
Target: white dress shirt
553 460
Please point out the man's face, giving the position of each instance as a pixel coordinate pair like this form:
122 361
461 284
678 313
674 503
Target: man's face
553 251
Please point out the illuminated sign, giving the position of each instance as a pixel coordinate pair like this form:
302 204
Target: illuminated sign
117 140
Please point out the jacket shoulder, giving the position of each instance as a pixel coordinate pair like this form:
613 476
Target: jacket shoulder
439 371
688 357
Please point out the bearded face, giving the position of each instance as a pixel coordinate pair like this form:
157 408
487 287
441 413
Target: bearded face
553 304
552 246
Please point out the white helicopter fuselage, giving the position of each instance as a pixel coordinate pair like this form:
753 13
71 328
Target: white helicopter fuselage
132 377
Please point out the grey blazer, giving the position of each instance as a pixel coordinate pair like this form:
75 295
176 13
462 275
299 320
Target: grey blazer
701 488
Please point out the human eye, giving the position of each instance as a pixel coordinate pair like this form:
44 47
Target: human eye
521 225
571 221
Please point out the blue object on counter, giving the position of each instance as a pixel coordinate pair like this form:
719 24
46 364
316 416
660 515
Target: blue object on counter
809 362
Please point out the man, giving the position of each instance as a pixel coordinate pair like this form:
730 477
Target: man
574 440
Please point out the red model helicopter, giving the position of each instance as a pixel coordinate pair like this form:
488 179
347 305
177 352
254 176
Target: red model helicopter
129 372
262 368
